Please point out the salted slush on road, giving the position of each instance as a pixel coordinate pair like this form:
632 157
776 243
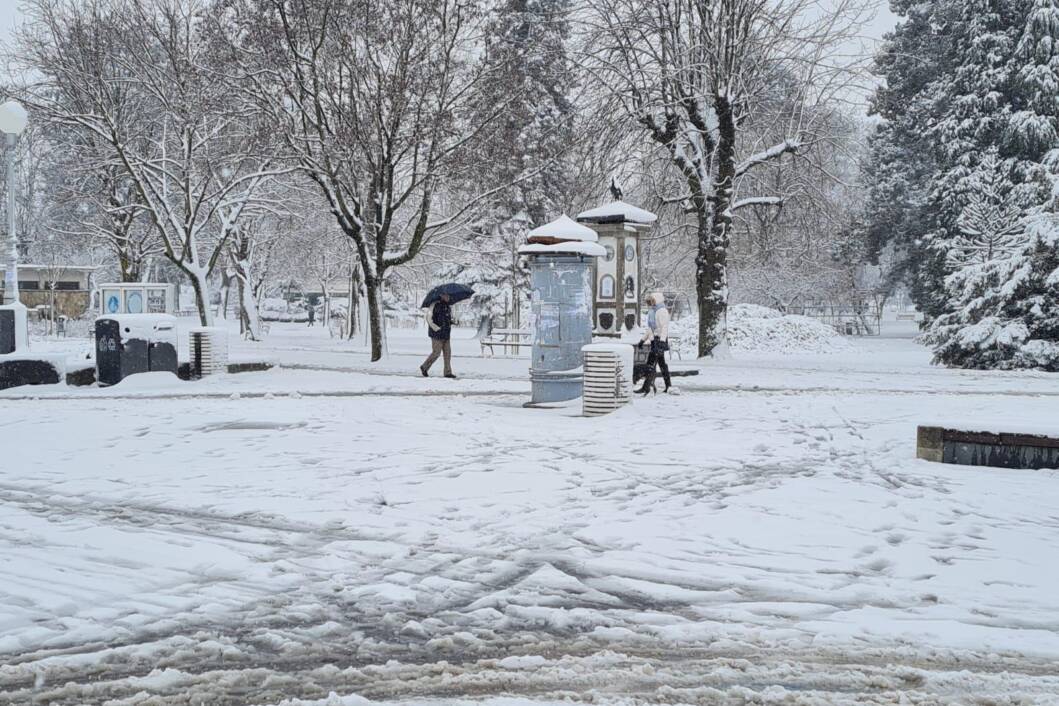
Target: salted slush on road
316 534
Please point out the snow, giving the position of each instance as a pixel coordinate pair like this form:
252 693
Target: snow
615 209
1000 425
768 155
146 327
759 329
563 228
338 532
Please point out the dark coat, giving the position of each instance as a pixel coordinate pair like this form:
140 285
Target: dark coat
442 318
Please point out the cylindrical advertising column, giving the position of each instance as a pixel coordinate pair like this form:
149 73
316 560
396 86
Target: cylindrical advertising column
560 256
562 312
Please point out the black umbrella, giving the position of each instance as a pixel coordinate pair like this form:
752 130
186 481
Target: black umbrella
456 292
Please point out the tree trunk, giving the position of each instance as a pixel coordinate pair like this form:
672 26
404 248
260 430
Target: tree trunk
222 304
327 305
714 235
248 311
353 303
130 268
372 285
198 283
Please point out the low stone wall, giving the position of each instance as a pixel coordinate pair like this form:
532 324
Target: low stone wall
68 303
983 448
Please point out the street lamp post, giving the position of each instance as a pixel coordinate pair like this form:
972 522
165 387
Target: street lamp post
13 121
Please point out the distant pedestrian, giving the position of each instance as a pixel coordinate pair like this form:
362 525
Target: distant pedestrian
439 328
657 337
312 314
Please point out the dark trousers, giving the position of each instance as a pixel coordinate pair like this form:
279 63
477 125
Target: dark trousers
439 347
656 358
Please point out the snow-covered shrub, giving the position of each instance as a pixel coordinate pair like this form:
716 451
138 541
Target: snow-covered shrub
759 329
273 305
1004 313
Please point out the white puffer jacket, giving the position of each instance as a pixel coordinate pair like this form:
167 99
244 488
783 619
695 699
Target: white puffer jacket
661 331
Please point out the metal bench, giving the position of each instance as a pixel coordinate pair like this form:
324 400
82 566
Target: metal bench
674 347
507 337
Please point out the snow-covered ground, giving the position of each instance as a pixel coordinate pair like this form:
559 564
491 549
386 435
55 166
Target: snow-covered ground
333 525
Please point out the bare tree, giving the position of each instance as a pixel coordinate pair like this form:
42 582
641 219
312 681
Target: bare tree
693 74
139 77
373 98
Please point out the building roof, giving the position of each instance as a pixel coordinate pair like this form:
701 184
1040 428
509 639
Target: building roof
85 268
617 212
564 228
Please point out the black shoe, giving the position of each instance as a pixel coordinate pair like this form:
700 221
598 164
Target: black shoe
424 371
450 376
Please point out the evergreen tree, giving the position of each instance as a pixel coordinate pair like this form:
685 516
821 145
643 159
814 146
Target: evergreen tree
991 223
963 174
1004 313
902 156
1003 290
532 76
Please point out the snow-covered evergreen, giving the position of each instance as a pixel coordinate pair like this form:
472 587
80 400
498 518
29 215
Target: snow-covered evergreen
983 251
531 74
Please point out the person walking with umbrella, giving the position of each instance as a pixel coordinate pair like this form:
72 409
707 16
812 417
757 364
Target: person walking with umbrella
439 303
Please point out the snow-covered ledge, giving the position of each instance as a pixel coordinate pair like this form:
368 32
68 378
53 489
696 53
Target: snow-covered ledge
1000 447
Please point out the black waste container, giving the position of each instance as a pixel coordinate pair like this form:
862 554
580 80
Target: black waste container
134 343
7 331
12 328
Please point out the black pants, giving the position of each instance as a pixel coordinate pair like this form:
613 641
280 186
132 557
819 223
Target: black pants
657 357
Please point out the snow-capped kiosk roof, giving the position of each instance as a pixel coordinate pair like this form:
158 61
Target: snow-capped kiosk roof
563 228
617 212
563 235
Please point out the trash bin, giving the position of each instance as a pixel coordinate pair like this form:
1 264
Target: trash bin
7 330
208 351
134 343
13 328
608 377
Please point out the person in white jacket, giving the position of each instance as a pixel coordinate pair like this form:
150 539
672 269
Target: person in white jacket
657 337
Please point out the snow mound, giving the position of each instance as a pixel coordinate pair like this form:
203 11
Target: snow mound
758 329
753 311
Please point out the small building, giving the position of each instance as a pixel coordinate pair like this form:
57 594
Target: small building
67 287
616 302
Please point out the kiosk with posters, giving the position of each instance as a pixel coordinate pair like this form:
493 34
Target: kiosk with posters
136 298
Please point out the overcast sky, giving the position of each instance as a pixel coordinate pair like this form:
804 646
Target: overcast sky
10 15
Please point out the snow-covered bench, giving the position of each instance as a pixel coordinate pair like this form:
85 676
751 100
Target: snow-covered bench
513 337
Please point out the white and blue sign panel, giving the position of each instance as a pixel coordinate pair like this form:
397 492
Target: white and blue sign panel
134 302
112 302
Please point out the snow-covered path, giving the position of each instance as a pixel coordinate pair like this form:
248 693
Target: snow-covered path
720 546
